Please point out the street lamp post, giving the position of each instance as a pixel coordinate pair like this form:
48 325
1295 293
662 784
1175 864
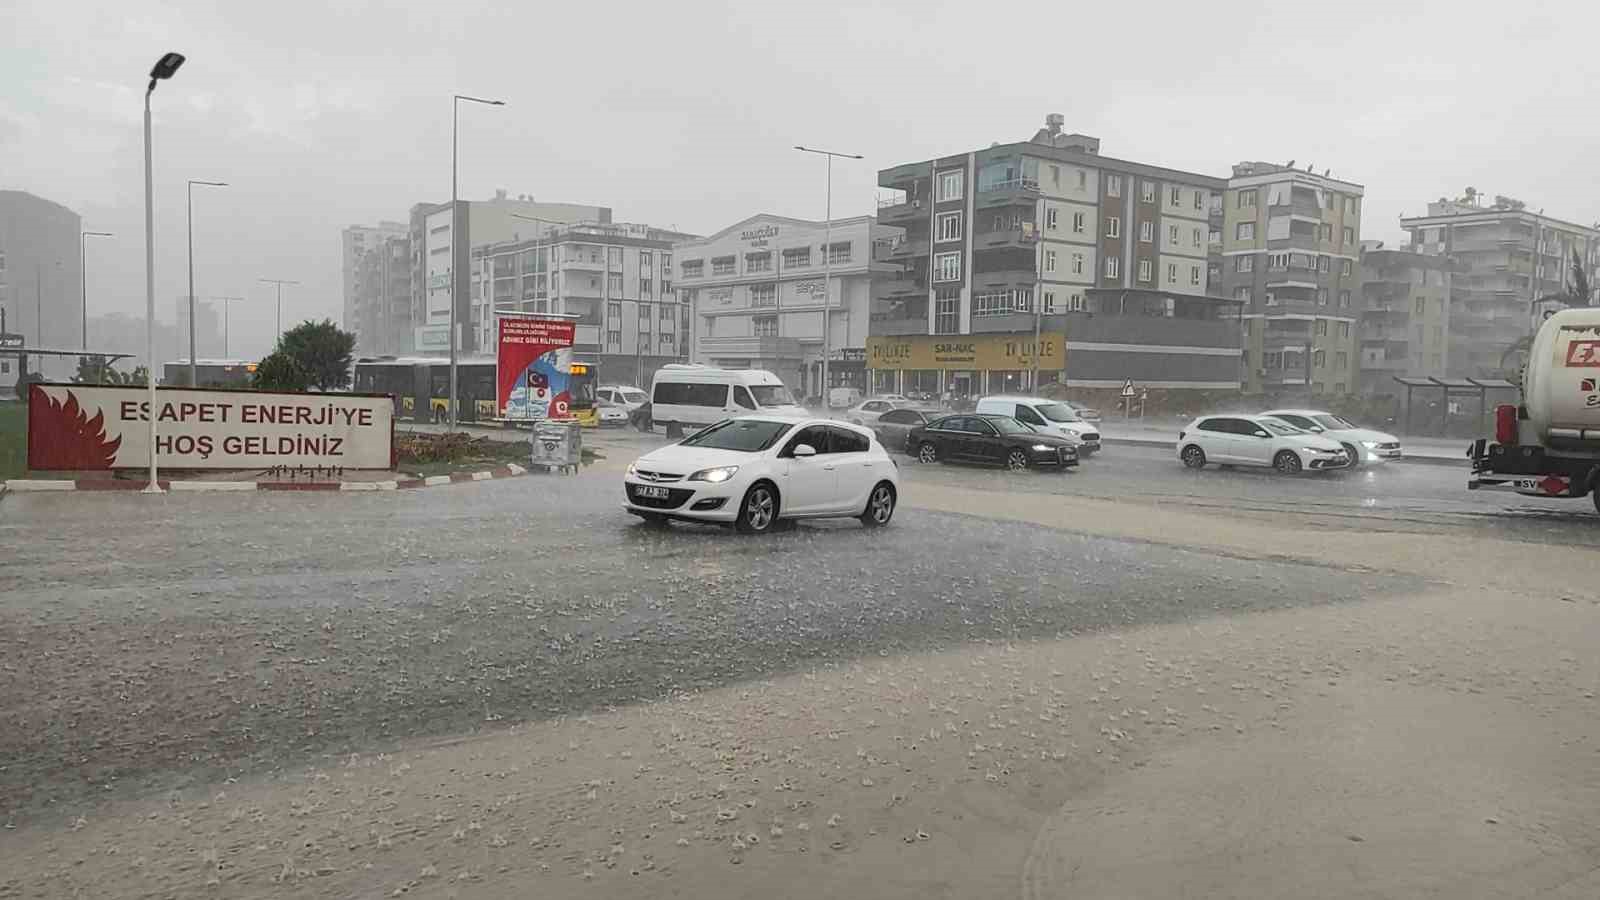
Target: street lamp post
225 301
280 282
83 281
827 263
193 371
455 118
165 68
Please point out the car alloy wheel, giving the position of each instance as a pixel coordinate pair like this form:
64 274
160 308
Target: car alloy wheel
759 511
927 453
1194 457
880 506
1016 461
1287 462
1355 457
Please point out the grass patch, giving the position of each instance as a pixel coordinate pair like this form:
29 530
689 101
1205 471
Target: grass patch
13 440
426 454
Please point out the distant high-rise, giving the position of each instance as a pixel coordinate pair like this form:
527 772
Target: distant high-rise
39 289
365 248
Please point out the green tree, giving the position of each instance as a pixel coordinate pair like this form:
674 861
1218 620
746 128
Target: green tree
280 372
323 352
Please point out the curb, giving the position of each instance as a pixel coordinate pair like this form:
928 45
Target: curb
42 485
1169 444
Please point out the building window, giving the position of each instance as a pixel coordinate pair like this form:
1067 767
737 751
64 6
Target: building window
765 326
694 268
1075 303
644 316
1049 307
666 313
1194 275
1077 223
1271 299
1049 260
1113 227
614 257
646 288
613 311
1245 231
1083 179
764 295
646 260
946 310
1242 294
1172 235
949 226
1112 267
1144 270
1341 360
1273 360
1344 268
1325 231
1422 305
1077 263
664 343
1350 205
1055 175
1322 264
1147 192
1050 217
614 284
1319 358
1322 298
1322 327
1147 231
994 303
1113 185
1246 263
1349 236
1195 240
1177 196
1172 273
1199 199
839 253
1344 299
614 339
947 267
951 184
797 257
1247 198
758 262
724 265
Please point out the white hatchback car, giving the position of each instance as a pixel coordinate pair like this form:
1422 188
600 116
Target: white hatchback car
1257 441
1362 444
752 472
867 411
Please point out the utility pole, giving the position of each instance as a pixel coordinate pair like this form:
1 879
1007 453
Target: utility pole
455 237
280 282
225 301
827 263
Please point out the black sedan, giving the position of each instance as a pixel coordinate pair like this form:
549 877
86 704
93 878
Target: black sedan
989 440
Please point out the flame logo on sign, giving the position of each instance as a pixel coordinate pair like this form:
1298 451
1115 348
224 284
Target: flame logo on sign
65 437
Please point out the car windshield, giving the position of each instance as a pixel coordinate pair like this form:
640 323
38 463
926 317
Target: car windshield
1058 412
1278 427
1332 422
1007 425
772 395
747 435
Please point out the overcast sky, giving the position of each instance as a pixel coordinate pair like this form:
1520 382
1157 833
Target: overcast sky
682 114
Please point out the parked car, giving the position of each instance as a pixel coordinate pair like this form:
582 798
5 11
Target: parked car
1084 411
1257 441
1049 416
611 413
867 411
754 471
989 440
626 396
1364 445
894 426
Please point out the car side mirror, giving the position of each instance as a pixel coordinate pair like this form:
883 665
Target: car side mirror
804 450
1316 430
1261 434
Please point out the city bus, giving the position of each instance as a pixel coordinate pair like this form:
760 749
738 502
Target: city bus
420 386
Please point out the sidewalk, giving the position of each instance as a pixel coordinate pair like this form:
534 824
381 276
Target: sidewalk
1431 451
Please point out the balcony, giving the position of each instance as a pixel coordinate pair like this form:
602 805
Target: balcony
1003 279
1025 237
898 325
902 249
585 262
1002 193
893 210
902 176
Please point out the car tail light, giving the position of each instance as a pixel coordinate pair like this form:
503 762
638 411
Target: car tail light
1505 424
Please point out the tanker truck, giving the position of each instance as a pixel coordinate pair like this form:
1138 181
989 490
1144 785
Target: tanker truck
1549 444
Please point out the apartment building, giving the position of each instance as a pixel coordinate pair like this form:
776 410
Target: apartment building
376 279
1290 254
442 240
617 279
1405 311
755 292
1510 258
40 299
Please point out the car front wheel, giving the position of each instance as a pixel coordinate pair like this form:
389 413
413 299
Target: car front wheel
758 512
880 506
1355 457
1194 457
1287 462
1016 460
927 453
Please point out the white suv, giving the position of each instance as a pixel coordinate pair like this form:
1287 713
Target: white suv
1257 441
752 471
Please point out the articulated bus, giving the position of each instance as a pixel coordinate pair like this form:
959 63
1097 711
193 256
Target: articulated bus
420 386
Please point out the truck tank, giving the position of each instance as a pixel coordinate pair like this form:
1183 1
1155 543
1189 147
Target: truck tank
1561 386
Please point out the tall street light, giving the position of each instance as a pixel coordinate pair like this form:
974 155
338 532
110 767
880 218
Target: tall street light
83 279
225 301
193 375
455 120
827 262
280 282
165 67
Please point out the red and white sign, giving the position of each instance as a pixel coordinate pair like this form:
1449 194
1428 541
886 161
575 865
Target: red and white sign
1583 354
533 367
84 427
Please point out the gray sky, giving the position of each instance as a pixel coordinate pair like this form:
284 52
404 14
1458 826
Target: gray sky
683 113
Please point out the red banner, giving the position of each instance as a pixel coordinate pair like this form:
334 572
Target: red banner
533 366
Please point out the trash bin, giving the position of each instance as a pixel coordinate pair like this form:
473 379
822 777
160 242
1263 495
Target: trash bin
557 445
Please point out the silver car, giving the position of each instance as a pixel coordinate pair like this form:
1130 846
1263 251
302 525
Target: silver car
893 426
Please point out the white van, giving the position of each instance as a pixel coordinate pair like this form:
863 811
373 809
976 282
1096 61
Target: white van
625 396
695 396
1050 416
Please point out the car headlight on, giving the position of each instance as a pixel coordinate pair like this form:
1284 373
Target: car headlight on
1043 448
715 476
1319 450
633 469
1370 445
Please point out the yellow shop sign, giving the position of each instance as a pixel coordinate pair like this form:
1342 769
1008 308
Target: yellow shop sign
965 351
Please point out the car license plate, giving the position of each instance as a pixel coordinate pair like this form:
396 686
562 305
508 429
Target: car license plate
654 493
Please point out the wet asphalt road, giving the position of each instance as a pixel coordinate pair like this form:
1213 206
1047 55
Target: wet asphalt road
152 641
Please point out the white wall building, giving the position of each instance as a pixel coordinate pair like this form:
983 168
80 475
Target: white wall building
755 296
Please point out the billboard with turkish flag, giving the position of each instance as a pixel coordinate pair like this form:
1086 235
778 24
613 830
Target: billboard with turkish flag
533 366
